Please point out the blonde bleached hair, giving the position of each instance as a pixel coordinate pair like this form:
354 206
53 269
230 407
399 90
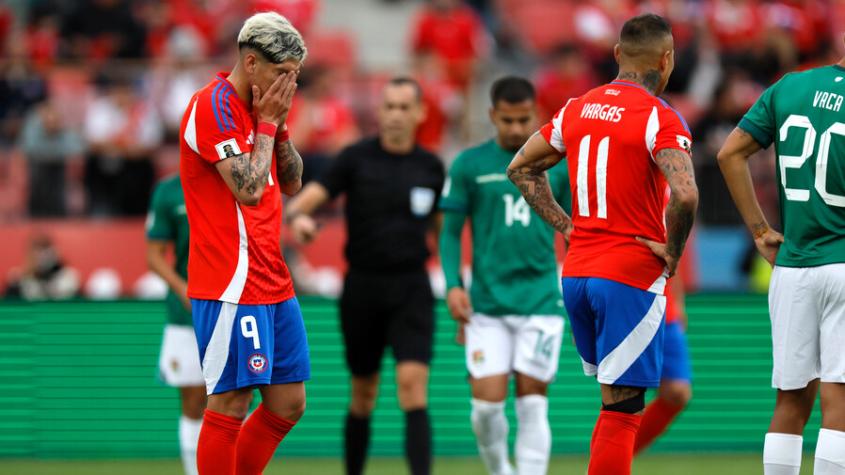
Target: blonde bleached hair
273 36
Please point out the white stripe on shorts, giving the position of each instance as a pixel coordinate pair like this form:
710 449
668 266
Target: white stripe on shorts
614 365
217 351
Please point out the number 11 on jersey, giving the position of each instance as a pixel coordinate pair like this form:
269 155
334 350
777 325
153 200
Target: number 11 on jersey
601 177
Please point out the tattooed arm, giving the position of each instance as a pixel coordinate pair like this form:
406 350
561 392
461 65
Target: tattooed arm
288 167
733 161
676 166
528 172
246 174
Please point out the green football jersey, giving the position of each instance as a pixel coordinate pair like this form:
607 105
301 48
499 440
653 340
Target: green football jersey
167 221
803 115
514 266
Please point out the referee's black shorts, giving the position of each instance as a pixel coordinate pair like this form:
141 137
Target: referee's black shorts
378 309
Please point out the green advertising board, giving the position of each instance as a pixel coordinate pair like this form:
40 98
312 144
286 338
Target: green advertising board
79 380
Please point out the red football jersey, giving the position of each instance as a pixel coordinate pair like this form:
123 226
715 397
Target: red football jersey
235 255
610 136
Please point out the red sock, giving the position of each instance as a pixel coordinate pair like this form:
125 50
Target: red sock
216 448
613 449
595 432
259 438
657 417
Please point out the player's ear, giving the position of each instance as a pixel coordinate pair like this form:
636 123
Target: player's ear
666 60
617 51
250 62
492 113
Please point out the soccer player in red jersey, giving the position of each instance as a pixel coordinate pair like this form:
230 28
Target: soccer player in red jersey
235 161
625 144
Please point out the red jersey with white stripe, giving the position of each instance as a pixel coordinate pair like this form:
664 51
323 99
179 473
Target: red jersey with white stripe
610 136
234 254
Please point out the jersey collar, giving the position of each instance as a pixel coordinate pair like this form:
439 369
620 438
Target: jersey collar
623 82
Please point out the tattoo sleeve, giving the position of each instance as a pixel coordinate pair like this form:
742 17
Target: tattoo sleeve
533 183
250 170
680 212
288 163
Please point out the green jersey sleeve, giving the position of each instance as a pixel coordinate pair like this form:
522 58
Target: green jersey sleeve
456 191
159 223
759 121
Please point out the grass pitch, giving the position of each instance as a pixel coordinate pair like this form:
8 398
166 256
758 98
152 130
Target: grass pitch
709 464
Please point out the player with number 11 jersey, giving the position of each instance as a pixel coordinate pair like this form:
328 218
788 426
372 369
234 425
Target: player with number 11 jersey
623 146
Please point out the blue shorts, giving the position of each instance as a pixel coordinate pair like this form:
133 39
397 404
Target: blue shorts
248 345
618 330
676 362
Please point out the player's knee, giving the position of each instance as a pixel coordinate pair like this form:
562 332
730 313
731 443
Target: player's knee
676 394
236 407
795 404
364 394
526 386
412 394
631 405
295 409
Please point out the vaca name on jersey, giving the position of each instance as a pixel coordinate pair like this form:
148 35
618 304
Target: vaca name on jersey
827 100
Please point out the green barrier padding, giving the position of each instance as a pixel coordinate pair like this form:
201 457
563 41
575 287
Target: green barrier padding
79 380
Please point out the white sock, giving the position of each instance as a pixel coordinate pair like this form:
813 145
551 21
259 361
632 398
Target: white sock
534 437
189 435
830 453
491 432
782 454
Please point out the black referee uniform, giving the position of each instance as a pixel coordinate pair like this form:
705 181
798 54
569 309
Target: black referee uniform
387 299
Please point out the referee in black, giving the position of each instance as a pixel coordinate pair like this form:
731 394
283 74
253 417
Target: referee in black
392 187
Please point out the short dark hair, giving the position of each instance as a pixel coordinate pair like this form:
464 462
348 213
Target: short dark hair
512 89
408 81
644 29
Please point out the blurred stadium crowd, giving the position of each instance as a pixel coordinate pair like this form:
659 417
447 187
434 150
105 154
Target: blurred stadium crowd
92 91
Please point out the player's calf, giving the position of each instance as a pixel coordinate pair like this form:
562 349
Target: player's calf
616 430
830 448
784 442
489 422
672 398
412 389
793 408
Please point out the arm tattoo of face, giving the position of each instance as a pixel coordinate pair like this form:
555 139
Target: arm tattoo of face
250 170
288 162
533 183
677 167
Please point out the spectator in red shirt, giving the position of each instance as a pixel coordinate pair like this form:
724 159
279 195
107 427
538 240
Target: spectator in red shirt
802 21
566 74
736 24
444 104
301 13
456 36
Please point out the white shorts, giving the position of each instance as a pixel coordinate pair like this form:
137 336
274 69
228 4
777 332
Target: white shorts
807 308
179 361
527 345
